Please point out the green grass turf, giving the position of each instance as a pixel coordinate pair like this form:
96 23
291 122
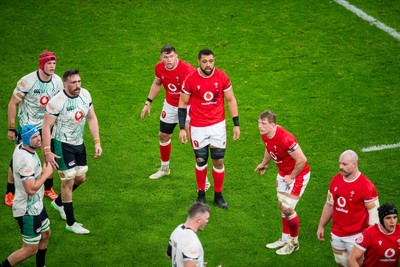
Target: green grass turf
332 79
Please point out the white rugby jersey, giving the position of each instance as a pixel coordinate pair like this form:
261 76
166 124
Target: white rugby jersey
185 246
71 115
26 165
36 94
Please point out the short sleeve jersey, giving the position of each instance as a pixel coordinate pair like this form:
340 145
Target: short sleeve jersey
70 113
381 249
172 80
185 246
26 165
34 95
350 216
279 146
207 97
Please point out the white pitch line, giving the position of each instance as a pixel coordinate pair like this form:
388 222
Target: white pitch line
370 19
379 147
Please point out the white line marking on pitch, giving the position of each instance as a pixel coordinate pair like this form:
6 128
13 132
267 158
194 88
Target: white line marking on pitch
379 147
370 19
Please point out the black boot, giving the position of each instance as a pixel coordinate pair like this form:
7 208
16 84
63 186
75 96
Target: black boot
201 196
219 200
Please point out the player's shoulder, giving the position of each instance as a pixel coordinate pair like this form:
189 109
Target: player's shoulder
28 79
57 78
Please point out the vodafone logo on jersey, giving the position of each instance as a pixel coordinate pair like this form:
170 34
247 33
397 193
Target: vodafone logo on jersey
44 100
389 253
208 96
341 202
172 87
163 114
78 115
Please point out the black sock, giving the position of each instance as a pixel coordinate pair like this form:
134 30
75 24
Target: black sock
5 263
58 200
69 212
48 184
10 188
75 187
41 258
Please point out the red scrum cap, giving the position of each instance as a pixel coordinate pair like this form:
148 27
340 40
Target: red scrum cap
44 57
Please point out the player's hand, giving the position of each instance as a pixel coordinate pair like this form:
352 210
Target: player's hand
97 150
145 109
288 179
12 136
182 136
236 132
261 169
47 170
320 234
50 158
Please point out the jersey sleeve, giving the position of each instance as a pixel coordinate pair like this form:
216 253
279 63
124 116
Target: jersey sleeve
54 107
363 241
22 88
191 251
26 170
370 194
289 142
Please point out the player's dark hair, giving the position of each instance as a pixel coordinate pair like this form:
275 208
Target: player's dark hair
198 208
167 49
205 52
269 115
69 73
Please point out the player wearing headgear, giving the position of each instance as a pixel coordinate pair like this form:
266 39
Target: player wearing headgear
67 112
379 245
30 98
352 203
28 208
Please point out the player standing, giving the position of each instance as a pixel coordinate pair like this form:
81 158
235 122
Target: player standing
291 181
30 98
67 112
170 73
207 88
352 203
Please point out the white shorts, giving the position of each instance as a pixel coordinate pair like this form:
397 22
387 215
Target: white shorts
214 135
296 188
169 114
344 243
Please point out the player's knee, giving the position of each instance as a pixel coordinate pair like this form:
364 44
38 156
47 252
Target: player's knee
81 170
341 258
67 174
201 156
217 153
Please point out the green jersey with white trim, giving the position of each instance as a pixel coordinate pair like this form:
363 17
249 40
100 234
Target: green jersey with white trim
34 95
71 115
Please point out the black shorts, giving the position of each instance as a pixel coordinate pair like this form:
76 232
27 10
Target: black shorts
70 155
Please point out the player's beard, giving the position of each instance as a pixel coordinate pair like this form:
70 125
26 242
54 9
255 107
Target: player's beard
207 71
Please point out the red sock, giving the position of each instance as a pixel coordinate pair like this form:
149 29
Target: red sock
285 225
201 174
294 224
165 151
219 177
